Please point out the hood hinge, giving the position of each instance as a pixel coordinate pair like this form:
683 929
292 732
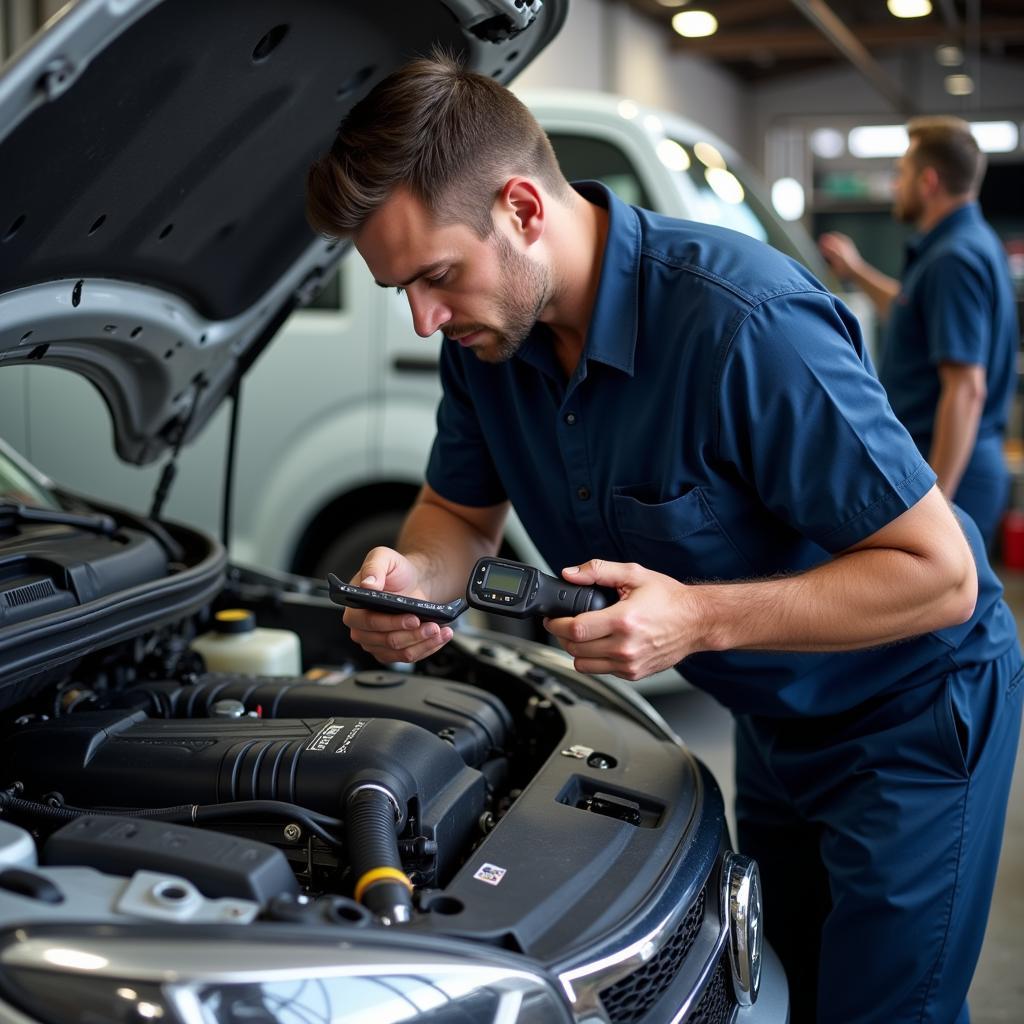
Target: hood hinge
509 17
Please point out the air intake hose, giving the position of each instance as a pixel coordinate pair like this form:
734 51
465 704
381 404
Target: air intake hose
380 884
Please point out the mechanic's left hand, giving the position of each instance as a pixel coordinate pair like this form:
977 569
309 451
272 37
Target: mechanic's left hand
655 624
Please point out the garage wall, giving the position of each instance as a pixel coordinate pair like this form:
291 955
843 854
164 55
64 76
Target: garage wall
609 47
575 59
843 93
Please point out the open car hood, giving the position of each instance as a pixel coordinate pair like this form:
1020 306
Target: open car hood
152 164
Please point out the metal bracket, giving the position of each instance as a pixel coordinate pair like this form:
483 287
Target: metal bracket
507 20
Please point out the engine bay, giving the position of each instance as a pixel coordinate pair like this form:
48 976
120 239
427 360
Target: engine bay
271 761
478 794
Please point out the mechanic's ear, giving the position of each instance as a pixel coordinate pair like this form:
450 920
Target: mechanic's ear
929 178
524 202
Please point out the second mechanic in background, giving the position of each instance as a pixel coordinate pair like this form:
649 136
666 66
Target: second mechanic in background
949 359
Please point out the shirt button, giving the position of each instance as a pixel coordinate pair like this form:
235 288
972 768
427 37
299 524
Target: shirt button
570 418
583 493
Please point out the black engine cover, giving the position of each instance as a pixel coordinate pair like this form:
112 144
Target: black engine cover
123 759
476 723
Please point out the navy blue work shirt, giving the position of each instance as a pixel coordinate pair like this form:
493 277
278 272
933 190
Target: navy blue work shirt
723 423
956 304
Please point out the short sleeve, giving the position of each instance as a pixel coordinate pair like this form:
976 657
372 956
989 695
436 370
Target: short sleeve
460 468
807 425
958 310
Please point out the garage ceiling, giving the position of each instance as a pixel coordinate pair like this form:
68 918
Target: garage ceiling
763 39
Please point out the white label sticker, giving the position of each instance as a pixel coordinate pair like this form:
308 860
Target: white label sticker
489 873
327 733
350 737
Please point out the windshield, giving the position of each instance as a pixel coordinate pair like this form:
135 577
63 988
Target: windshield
726 197
18 486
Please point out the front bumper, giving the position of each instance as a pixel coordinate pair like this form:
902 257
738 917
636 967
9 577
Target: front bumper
672 964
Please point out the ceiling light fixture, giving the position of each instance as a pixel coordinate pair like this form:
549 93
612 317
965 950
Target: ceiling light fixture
996 136
695 24
909 8
877 140
959 85
890 140
949 55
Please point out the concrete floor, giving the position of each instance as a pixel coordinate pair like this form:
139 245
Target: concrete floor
997 993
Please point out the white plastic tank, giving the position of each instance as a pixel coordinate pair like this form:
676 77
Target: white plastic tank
237 644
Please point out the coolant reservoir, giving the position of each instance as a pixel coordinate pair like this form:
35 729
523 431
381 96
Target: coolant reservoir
237 644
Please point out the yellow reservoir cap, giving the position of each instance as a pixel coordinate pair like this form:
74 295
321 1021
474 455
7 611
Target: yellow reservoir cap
234 620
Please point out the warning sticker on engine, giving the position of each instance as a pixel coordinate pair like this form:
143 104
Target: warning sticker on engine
347 742
490 873
322 740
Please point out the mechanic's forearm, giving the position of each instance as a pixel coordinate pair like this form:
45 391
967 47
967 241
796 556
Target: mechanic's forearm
879 288
956 428
444 548
860 599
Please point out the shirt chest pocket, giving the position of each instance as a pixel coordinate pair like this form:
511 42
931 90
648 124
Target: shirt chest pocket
680 537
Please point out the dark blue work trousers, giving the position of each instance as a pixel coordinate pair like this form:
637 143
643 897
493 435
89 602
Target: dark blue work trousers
984 489
878 834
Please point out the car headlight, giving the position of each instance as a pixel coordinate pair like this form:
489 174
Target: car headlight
173 979
741 907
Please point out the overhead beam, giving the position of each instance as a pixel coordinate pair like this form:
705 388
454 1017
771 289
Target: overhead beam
835 31
736 12
949 15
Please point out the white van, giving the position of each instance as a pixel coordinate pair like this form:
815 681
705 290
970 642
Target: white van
330 472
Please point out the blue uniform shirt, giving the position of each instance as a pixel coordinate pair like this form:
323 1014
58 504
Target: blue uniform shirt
723 423
956 304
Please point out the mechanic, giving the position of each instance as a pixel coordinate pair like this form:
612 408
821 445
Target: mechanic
685 414
949 361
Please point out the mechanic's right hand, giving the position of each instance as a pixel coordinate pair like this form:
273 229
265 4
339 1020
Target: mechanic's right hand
840 253
391 638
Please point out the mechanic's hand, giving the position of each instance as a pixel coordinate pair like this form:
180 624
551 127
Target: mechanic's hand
655 624
391 638
840 253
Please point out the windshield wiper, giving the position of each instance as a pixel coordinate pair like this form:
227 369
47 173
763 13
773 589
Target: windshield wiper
13 512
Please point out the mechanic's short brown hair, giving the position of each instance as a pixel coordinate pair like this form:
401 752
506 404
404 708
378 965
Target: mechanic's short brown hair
451 136
946 143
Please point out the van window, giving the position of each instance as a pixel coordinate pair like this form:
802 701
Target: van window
584 157
726 198
331 295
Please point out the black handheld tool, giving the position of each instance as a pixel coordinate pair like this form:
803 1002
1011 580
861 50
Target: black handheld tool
513 588
351 596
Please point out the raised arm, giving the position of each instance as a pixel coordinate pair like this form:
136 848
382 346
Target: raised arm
845 259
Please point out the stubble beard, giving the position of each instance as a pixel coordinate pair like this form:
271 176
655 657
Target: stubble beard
525 290
907 209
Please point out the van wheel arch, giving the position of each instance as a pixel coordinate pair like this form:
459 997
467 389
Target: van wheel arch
342 532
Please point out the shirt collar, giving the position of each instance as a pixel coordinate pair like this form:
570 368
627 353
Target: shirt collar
612 334
962 216
611 337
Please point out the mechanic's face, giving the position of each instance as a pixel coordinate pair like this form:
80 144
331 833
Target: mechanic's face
908 199
482 293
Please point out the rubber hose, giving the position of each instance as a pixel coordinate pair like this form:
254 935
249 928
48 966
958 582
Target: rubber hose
63 812
183 814
380 884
